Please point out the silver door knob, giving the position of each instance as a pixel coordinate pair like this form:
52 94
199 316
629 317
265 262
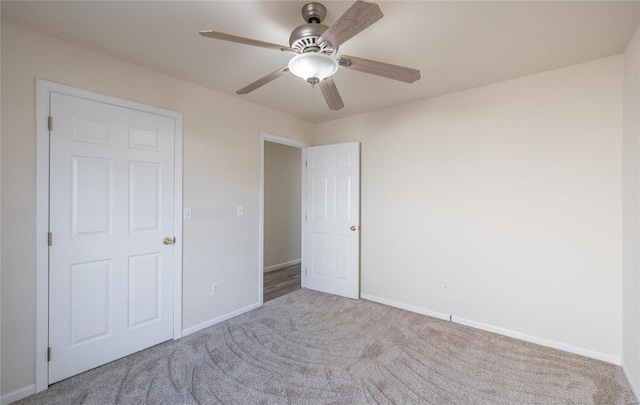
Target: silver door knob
169 241
353 227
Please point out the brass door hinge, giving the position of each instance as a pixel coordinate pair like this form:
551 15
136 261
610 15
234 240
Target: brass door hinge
50 239
50 123
48 354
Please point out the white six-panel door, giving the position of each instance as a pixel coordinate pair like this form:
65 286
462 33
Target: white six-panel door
332 227
111 205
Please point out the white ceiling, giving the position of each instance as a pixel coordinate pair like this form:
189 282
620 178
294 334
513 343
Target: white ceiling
456 45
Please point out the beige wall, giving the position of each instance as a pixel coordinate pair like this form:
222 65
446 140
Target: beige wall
282 203
221 171
511 192
631 214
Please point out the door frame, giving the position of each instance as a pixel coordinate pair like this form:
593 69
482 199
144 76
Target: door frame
43 90
265 137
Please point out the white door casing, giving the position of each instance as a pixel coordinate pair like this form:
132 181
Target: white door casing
332 226
115 193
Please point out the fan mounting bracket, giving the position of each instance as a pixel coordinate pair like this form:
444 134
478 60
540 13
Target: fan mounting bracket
314 12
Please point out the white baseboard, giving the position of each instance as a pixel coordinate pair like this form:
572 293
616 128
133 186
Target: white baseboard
495 329
221 318
18 394
281 265
634 389
407 307
538 340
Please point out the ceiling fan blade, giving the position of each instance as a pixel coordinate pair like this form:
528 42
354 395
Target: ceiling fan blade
358 17
331 94
264 80
404 74
246 41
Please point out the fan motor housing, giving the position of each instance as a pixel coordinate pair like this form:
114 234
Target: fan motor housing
305 37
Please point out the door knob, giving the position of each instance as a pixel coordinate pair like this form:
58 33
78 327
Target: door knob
353 227
169 241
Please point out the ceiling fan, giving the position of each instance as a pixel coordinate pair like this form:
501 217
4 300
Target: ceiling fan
315 46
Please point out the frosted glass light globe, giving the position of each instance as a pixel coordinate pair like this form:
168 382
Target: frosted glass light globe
313 67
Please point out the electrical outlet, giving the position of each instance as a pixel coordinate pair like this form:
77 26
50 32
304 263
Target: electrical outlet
445 285
215 289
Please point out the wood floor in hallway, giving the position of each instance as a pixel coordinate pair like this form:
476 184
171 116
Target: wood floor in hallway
281 282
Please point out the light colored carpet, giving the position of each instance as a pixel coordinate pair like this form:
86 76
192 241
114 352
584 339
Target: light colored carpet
313 348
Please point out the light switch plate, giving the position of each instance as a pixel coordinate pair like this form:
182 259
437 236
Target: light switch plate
240 210
187 214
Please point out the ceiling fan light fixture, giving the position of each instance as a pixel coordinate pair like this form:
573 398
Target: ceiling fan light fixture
313 67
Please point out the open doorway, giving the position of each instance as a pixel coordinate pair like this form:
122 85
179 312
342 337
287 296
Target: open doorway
282 219
281 234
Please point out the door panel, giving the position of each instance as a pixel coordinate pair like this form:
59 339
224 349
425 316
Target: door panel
90 301
144 196
144 289
332 235
91 191
112 196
